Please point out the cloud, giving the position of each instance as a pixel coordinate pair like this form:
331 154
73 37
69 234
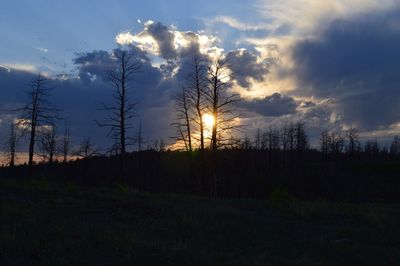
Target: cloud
98 63
94 65
41 49
19 67
305 17
239 25
124 38
170 43
355 61
274 105
248 65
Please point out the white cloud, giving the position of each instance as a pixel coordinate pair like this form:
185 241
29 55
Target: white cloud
124 38
239 25
20 67
41 49
208 44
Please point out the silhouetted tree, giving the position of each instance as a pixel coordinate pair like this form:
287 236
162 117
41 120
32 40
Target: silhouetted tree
140 137
301 137
246 143
221 107
372 147
11 144
48 144
324 142
65 143
121 114
183 119
395 146
196 84
87 149
37 112
257 141
353 140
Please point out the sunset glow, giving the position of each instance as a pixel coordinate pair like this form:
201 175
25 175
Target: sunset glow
208 121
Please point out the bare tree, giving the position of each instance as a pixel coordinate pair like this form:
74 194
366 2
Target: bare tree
301 137
37 112
395 146
353 140
332 142
372 147
65 144
257 140
285 137
11 144
183 119
336 141
221 103
196 84
121 114
87 149
48 144
270 140
140 137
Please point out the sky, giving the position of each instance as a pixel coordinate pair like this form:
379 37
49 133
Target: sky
332 64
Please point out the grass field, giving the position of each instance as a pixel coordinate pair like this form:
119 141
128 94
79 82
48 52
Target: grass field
43 224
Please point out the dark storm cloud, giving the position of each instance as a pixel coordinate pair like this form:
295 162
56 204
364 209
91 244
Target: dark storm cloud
356 61
245 64
94 64
274 105
165 40
97 64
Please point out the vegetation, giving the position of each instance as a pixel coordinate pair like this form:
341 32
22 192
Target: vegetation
46 224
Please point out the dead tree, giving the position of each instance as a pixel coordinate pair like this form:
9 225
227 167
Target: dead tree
11 145
196 84
36 113
87 149
221 103
48 144
301 137
257 140
122 112
183 118
324 142
140 137
395 146
353 141
65 144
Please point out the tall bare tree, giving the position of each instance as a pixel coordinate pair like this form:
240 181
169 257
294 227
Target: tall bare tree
220 100
37 112
140 137
121 114
183 118
221 103
196 84
65 144
11 144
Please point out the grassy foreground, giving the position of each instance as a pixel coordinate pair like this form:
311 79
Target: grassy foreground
42 224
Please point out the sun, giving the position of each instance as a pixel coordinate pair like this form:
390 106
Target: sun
208 120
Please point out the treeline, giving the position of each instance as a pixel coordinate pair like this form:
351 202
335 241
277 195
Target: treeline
273 160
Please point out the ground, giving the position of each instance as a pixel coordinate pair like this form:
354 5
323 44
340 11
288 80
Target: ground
48 224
